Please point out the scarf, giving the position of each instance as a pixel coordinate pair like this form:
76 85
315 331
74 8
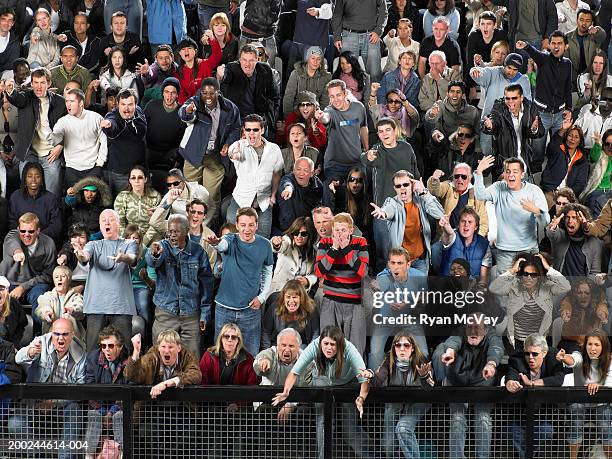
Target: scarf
401 115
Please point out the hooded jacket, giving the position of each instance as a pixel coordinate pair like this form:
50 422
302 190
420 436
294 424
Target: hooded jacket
299 81
80 212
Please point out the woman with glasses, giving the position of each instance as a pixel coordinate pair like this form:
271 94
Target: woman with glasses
403 78
527 289
13 320
597 192
395 106
591 368
292 308
352 197
105 365
306 105
336 363
136 203
567 161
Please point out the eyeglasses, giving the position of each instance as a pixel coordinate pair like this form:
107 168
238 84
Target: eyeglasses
109 345
355 179
402 345
301 234
529 274
467 135
63 335
197 212
460 176
173 184
251 129
230 337
397 186
511 98
27 231
306 104
394 101
531 354
608 144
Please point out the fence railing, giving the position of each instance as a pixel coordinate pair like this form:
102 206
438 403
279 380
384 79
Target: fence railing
50 420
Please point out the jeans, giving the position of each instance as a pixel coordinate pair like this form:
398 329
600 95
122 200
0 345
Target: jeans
543 431
483 425
264 219
96 322
604 422
421 264
32 298
551 122
379 339
205 13
117 182
248 320
353 434
505 258
52 171
400 422
380 231
359 44
94 429
131 8
141 300
596 201
268 42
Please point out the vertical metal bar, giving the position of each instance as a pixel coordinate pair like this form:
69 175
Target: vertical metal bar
328 417
530 413
126 400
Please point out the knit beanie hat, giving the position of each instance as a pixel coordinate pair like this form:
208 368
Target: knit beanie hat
171 81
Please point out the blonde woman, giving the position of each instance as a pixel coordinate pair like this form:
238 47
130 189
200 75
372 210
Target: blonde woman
13 320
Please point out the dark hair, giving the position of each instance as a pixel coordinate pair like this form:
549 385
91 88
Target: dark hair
357 206
448 7
603 364
248 49
487 16
416 359
356 72
254 118
69 47
20 61
197 202
580 132
118 14
386 121
7 11
77 229
334 333
145 172
575 207
305 310
514 87
26 169
558 33
566 192
308 251
513 160
113 91
111 330
167 48
600 84
82 14
41 72
530 259
77 92
302 126
210 81
109 64
247 212
606 134
457 83
127 93
589 12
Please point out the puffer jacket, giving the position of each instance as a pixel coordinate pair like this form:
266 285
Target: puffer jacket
88 214
261 17
300 81
49 302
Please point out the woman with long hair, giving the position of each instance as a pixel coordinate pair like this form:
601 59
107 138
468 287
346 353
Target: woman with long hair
136 203
192 70
337 362
404 365
356 79
295 309
444 8
306 105
352 197
297 147
592 82
591 368
527 289
398 107
116 74
13 320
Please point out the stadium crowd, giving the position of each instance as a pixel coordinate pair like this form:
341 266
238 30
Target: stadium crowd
219 192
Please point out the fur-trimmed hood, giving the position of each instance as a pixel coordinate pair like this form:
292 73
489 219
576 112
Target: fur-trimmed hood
104 195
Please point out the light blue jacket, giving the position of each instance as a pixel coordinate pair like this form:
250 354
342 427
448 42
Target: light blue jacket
396 218
493 82
453 19
164 17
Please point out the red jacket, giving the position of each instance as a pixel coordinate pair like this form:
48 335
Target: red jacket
189 84
318 141
244 375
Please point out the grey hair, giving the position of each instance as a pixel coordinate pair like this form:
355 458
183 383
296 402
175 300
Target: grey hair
307 160
439 19
289 331
110 211
403 173
466 165
181 220
536 340
437 52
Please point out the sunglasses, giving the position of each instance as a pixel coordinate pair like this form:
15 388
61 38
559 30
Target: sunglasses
512 98
529 274
230 337
27 231
394 101
355 179
531 354
301 233
197 212
608 144
466 135
173 184
306 104
109 345
460 176
58 334
251 129
402 345
561 203
397 186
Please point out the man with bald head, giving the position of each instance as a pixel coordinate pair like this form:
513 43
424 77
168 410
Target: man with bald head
299 192
109 297
57 357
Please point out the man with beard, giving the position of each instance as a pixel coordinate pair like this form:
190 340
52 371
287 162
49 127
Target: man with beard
80 135
213 124
469 360
154 75
298 193
184 285
574 252
464 242
456 193
108 291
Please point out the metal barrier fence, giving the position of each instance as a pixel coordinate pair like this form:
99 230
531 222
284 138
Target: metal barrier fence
44 421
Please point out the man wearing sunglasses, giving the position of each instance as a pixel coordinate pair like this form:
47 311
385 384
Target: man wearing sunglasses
29 259
57 357
534 366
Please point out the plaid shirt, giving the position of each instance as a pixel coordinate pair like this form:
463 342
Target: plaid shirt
60 373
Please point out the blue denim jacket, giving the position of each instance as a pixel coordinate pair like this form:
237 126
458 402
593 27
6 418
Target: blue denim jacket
184 282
